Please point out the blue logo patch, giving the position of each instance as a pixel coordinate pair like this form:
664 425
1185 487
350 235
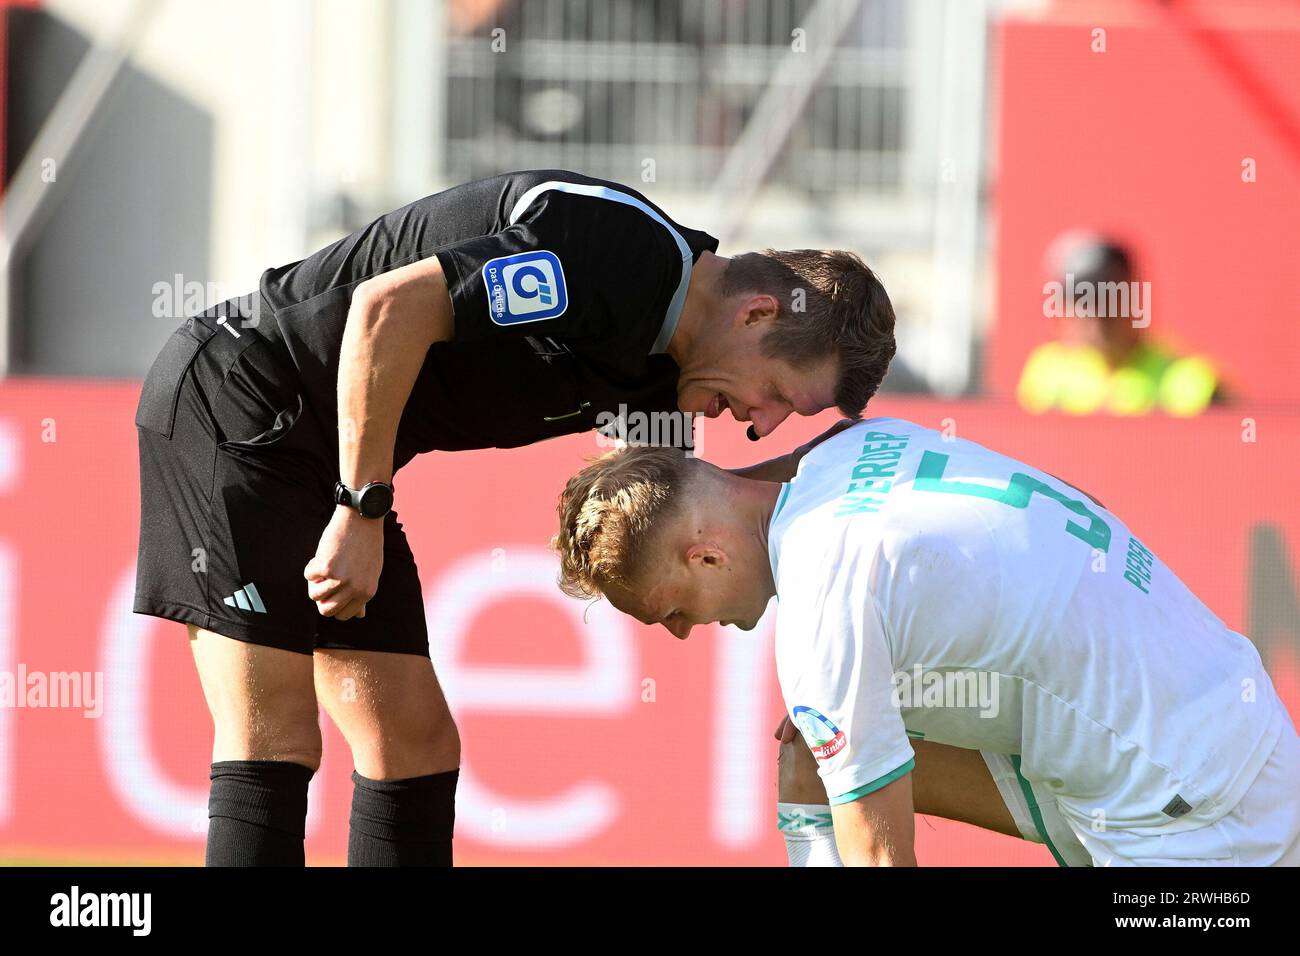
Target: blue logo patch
525 287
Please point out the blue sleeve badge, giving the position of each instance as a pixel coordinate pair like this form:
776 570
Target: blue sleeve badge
525 287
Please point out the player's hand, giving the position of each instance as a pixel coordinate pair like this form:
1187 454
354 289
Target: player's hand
785 731
344 574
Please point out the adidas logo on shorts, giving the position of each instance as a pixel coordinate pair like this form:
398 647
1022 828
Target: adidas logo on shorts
247 599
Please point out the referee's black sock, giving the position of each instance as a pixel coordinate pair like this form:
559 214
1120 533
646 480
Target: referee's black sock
257 813
402 822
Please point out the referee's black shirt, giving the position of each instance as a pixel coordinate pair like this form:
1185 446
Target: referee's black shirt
566 290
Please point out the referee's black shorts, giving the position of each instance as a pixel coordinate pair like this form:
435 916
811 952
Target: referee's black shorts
236 482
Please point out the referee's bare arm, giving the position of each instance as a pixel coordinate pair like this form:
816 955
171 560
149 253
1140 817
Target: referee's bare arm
393 319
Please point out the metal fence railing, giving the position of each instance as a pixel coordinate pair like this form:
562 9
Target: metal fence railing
604 86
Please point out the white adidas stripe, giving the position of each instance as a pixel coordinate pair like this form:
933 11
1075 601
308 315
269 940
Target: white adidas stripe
255 598
247 599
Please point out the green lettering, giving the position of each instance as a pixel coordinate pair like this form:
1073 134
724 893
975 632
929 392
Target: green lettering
871 469
1020 489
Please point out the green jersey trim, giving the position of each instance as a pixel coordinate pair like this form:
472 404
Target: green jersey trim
780 501
1034 812
874 785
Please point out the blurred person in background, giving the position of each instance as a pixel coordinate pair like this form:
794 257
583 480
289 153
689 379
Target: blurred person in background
1103 361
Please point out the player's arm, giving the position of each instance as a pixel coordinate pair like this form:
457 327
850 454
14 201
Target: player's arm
393 319
783 468
835 670
878 828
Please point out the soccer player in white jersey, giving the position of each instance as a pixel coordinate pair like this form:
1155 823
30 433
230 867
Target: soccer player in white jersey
930 589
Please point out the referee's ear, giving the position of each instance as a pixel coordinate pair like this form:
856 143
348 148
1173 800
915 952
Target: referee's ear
759 312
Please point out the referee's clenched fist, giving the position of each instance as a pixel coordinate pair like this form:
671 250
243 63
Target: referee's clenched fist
344 574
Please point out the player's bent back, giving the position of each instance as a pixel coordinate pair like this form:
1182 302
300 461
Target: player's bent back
933 588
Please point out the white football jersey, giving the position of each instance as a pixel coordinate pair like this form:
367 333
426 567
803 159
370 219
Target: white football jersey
929 587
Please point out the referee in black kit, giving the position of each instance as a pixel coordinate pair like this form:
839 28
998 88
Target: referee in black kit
494 314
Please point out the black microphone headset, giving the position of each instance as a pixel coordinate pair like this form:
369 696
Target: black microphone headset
751 433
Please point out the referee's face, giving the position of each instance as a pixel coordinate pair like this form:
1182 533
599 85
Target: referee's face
755 388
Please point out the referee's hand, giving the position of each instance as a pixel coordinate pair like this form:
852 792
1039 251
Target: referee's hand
344 575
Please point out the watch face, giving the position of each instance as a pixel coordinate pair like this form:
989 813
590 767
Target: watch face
375 501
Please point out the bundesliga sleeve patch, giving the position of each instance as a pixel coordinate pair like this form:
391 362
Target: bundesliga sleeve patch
525 287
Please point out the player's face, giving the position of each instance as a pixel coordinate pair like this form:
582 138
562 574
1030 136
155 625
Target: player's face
756 389
706 586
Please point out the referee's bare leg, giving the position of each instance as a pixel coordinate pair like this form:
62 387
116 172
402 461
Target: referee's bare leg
266 745
406 751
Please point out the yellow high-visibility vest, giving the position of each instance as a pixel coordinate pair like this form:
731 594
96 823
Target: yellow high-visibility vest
1076 379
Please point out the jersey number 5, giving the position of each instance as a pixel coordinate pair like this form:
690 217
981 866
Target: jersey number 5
1021 487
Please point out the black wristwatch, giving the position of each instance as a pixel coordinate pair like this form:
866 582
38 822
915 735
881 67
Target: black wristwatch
373 501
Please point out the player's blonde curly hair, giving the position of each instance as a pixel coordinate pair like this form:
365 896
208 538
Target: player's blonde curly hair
608 514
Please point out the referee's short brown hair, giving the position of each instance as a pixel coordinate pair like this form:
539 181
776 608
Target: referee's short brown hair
831 303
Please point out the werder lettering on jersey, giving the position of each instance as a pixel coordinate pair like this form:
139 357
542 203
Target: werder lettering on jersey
873 474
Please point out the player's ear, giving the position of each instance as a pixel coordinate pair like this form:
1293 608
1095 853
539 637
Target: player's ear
758 310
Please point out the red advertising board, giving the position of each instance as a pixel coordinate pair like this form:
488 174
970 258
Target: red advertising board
588 738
